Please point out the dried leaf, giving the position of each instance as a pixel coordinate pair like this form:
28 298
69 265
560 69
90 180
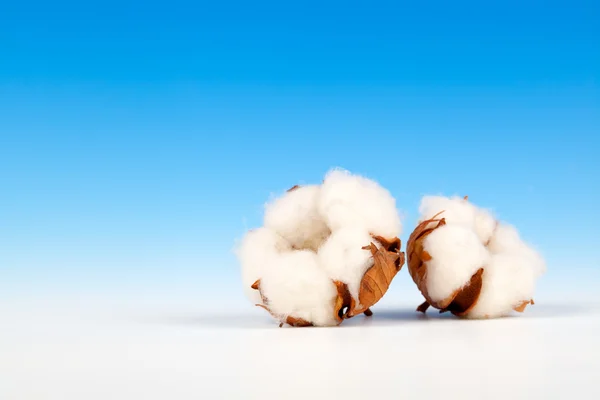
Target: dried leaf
465 298
423 307
387 261
390 245
297 322
256 286
414 248
521 306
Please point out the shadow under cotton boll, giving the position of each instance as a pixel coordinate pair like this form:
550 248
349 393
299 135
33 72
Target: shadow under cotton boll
557 310
406 315
208 321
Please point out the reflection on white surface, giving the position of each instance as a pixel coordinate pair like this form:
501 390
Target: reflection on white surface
106 350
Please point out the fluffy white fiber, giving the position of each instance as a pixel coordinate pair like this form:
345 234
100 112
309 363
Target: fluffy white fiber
457 253
458 211
257 249
313 236
472 239
353 201
508 280
295 216
344 259
295 285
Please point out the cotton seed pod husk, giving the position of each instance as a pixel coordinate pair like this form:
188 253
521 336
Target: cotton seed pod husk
461 301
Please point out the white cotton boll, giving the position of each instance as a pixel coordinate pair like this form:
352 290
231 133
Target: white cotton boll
508 280
257 249
296 286
458 211
353 201
473 239
343 258
456 255
295 216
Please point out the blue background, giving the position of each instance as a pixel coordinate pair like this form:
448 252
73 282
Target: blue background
138 141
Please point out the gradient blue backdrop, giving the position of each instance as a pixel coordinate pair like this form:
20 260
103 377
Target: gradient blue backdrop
139 140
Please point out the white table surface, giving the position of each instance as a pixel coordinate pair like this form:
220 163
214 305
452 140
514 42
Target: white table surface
180 345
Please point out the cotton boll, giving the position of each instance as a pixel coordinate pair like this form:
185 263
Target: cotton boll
353 201
508 280
509 267
456 255
295 216
294 285
296 281
458 211
257 249
343 258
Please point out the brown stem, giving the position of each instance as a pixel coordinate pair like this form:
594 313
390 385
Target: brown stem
423 307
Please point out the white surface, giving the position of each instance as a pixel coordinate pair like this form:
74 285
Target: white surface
84 350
